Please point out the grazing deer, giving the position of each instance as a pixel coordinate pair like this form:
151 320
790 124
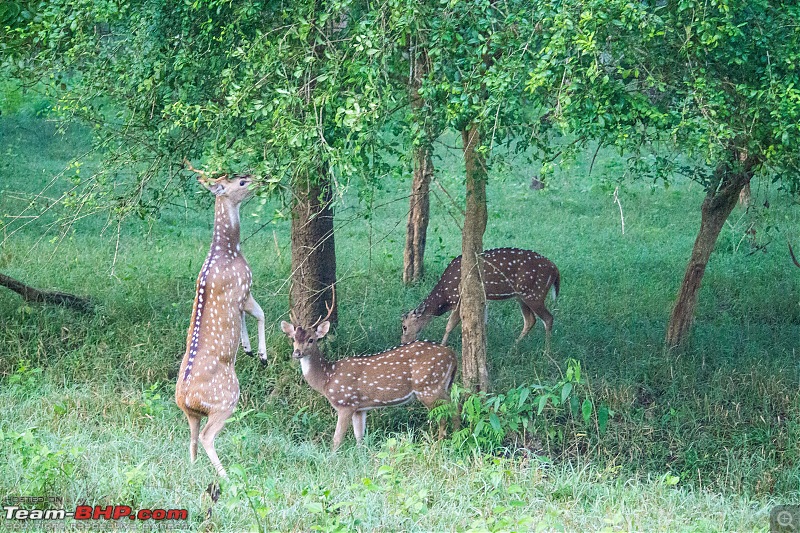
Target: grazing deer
508 273
207 383
355 385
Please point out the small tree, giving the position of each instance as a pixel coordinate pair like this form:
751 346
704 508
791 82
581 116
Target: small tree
292 94
716 81
478 55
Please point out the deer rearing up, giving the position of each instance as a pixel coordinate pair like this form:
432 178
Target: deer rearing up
508 273
355 385
207 383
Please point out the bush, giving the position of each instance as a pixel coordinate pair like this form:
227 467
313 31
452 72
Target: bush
492 420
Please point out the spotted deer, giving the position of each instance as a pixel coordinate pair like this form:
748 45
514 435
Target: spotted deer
508 273
355 385
207 383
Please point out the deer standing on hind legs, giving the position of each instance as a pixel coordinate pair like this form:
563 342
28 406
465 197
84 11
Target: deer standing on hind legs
207 383
508 273
355 385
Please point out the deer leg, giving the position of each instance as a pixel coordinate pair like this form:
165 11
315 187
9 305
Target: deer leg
194 430
246 338
528 317
542 312
252 308
452 322
430 402
342 425
359 424
216 421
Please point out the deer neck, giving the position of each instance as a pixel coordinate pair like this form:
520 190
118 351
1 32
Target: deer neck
316 370
435 304
226 227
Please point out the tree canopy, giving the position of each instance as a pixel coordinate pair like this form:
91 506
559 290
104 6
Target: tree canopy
688 77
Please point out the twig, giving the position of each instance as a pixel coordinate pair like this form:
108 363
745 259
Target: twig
621 216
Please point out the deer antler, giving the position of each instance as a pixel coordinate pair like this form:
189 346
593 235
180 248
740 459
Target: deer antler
328 307
791 252
196 171
204 177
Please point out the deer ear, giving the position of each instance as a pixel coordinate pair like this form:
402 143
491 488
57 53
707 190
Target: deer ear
215 188
287 328
322 329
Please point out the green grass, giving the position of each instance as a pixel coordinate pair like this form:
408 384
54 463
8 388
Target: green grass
704 441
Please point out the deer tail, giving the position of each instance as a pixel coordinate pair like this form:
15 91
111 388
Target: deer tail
554 288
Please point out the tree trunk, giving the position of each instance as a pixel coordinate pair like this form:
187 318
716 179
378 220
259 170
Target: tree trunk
720 200
418 213
313 251
30 294
473 296
418 216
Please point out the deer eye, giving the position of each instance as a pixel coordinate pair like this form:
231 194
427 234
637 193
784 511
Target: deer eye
312 340
405 328
242 183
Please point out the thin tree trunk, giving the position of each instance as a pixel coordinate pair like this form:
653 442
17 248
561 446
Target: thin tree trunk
30 294
419 208
418 217
313 251
473 296
717 206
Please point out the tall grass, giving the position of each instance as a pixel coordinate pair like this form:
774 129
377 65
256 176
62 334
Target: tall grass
703 441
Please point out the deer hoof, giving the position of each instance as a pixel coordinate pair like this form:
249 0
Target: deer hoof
213 490
249 352
263 359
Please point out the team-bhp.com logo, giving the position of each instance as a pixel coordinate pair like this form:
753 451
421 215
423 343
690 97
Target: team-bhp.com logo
16 510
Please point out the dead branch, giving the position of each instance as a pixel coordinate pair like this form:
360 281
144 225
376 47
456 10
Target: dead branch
30 294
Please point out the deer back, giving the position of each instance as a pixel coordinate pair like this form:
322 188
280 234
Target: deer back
510 272
391 377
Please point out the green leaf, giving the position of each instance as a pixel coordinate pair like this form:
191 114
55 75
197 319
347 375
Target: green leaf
565 391
602 418
586 410
495 422
314 507
542 403
9 11
523 395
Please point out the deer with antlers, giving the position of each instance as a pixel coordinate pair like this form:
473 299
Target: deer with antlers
355 385
508 273
207 384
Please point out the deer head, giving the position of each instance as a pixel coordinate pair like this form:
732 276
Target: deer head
413 322
236 188
304 340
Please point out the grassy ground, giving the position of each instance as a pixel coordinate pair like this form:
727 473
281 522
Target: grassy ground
704 441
